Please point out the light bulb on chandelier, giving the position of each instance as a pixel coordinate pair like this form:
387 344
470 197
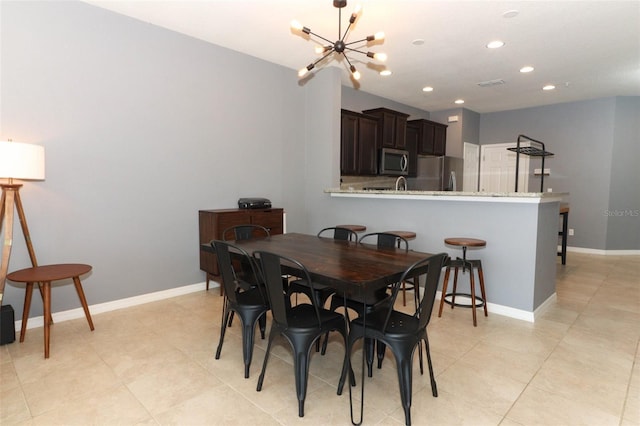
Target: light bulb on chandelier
340 47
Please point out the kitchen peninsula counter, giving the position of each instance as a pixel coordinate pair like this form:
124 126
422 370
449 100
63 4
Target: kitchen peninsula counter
502 197
521 230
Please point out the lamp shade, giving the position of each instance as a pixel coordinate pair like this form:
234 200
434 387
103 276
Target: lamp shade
21 161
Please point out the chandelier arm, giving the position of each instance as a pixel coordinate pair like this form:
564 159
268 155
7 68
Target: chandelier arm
348 61
345 33
320 37
350 49
319 60
357 41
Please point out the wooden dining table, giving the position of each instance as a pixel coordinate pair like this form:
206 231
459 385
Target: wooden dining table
355 270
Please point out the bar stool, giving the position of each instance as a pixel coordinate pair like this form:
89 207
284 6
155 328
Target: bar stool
564 213
354 228
407 285
464 263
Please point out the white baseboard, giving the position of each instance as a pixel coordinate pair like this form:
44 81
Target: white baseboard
502 310
604 252
513 312
117 304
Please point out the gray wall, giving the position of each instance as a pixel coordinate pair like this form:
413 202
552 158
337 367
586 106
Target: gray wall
623 214
596 150
357 100
142 127
466 129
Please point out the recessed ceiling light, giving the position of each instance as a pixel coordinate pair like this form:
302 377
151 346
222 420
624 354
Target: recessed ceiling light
418 42
385 73
495 44
427 89
549 87
510 14
526 69
459 101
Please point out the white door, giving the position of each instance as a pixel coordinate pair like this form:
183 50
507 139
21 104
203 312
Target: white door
498 169
470 176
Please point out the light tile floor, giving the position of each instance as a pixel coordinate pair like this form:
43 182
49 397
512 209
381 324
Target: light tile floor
578 364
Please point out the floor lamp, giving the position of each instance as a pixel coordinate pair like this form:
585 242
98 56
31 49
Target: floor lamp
17 161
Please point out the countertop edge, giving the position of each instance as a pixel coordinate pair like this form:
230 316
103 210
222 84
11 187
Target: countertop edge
502 197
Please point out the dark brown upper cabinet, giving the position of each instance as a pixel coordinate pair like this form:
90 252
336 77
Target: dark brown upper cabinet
358 144
392 127
431 137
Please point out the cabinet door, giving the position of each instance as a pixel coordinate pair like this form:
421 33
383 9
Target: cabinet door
388 125
412 147
425 144
367 146
349 143
400 128
439 140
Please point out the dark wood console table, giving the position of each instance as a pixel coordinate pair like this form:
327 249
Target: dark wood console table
212 224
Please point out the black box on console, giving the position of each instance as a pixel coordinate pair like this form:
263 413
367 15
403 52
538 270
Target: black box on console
254 203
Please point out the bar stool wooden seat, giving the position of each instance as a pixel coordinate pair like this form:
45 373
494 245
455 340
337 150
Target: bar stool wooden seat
354 228
464 263
406 285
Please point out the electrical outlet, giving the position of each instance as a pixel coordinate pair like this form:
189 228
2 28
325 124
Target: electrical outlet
571 232
549 189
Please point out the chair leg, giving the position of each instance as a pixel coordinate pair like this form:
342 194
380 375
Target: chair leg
247 344
406 384
482 291
473 296
301 369
266 359
434 387
223 329
455 286
369 346
346 364
380 350
262 323
445 282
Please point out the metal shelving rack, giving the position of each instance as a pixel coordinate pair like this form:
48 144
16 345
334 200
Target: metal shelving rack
533 152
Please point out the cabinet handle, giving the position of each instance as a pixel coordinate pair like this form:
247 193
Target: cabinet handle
403 163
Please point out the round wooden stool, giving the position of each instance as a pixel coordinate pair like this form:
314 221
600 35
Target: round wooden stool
464 263
410 285
354 228
45 274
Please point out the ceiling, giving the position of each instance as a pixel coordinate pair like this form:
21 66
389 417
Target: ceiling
587 49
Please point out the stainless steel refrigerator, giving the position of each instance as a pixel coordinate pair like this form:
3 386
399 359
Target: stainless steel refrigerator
438 174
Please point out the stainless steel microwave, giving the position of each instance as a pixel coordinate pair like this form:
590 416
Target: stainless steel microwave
393 162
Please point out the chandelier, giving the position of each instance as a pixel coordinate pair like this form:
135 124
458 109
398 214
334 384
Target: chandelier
339 47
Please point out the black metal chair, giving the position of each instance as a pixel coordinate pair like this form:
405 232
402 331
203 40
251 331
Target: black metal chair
383 240
339 233
321 292
246 299
301 325
242 267
402 332
245 232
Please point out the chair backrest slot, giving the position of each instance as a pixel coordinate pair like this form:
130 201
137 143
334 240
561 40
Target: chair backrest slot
386 240
271 265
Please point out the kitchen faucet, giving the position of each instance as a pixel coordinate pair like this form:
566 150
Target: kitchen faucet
401 184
